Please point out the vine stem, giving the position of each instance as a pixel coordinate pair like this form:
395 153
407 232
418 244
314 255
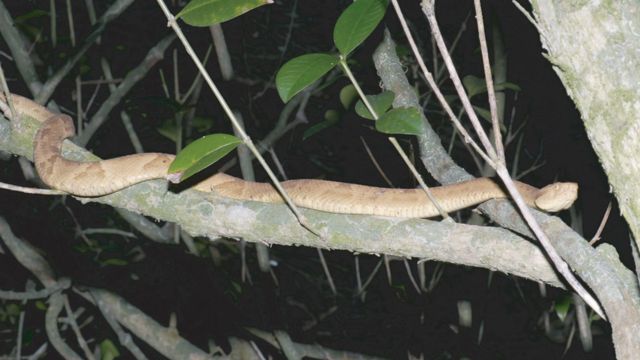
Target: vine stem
394 141
171 21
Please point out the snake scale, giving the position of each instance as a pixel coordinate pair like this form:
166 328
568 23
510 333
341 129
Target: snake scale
108 176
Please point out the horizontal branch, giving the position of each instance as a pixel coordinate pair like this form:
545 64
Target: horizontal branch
212 216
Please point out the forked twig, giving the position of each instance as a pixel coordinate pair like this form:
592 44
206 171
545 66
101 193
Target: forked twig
498 159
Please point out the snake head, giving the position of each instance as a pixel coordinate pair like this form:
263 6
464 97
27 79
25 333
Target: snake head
557 196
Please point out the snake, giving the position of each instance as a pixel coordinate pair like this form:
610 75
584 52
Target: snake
103 177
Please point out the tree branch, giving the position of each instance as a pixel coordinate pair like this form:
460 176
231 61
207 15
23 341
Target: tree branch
618 295
208 215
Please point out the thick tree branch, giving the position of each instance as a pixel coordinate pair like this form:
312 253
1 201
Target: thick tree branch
618 294
208 215
599 69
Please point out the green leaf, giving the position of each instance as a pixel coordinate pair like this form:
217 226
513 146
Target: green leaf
209 12
379 102
40 305
507 85
201 153
30 15
114 262
482 112
403 51
348 94
13 309
331 117
405 121
474 85
562 306
356 23
302 71
202 124
108 350
169 130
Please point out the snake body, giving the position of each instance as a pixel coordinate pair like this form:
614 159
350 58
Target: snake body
108 176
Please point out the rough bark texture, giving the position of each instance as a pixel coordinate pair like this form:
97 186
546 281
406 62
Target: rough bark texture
614 285
208 215
595 49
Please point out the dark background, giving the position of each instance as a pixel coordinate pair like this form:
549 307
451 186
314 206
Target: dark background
211 301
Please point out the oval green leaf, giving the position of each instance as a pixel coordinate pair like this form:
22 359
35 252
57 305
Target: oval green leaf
201 153
209 12
356 23
507 86
108 350
331 117
474 85
302 71
562 307
348 95
482 112
406 121
379 102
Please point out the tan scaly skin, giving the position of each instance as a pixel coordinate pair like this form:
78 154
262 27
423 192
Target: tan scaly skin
107 176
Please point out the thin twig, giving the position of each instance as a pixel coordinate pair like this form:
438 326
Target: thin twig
371 276
429 11
224 60
134 76
18 48
246 168
557 261
603 222
28 190
71 317
56 303
407 267
356 260
53 23
327 272
434 87
61 284
394 142
171 20
501 170
375 162
488 78
45 93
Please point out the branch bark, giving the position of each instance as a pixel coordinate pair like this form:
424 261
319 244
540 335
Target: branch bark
595 50
599 69
209 215
613 284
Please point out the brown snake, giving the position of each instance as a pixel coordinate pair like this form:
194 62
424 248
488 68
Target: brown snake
107 176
